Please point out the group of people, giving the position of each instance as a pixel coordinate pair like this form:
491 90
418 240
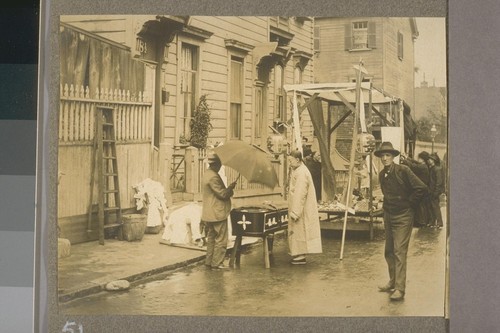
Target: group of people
408 188
304 232
428 169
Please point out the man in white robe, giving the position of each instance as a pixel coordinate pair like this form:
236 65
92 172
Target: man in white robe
304 231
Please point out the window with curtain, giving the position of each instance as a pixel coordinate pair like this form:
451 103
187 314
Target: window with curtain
189 76
236 97
360 36
279 93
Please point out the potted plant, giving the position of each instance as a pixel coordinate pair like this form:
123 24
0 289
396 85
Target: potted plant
200 124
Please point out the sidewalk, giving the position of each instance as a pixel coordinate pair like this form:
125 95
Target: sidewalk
91 266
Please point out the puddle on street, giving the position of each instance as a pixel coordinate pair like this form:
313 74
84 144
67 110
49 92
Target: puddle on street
326 286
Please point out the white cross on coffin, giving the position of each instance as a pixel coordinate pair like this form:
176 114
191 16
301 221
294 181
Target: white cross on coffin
244 222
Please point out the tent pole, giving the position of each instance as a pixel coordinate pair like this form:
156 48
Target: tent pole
353 154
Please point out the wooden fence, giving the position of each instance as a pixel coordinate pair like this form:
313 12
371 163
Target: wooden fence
133 131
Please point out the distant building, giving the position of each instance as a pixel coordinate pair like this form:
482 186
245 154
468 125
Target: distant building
430 101
386 47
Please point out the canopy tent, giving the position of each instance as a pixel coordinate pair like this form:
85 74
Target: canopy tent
338 93
346 94
329 92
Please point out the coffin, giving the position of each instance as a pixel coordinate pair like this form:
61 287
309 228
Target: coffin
258 221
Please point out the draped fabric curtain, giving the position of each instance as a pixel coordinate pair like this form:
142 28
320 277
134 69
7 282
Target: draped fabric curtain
74 57
315 109
88 61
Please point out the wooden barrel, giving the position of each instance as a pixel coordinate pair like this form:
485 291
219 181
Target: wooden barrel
134 226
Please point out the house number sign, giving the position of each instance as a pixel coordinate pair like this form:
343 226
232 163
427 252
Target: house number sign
141 46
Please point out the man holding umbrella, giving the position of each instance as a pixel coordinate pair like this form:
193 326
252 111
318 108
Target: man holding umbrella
215 210
402 192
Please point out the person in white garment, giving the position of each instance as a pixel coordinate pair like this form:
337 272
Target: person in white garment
304 232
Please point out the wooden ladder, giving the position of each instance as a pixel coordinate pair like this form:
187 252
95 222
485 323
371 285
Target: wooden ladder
108 189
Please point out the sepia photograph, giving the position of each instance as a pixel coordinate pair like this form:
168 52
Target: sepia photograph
260 166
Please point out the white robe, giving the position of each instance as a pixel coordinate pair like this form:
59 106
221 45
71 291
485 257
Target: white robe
304 234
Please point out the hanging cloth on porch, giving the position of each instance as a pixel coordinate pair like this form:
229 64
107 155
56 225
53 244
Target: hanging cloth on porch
315 109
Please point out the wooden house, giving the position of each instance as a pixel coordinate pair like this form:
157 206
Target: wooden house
385 45
153 70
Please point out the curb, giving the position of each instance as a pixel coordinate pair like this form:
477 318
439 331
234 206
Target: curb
63 298
134 279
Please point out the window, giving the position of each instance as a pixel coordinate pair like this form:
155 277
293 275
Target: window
259 115
297 75
360 36
236 94
280 22
188 84
400 45
317 39
280 93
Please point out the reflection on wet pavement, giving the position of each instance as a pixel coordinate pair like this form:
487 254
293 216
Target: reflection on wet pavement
326 286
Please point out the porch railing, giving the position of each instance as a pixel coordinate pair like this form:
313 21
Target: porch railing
132 116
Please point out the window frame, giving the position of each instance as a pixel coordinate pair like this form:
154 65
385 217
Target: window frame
363 30
400 39
186 116
183 122
300 72
231 134
371 36
279 108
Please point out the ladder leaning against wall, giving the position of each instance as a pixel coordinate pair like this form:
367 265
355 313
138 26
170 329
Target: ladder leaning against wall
108 189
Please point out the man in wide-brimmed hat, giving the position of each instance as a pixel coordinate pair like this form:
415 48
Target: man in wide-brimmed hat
436 188
402 192
215 210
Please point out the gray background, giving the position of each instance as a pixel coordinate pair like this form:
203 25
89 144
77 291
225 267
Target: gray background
473 77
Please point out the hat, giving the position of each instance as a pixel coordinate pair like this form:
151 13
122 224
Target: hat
386 147
212 158
435 158
424 155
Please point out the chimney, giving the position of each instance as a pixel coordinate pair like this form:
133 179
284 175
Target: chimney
424 83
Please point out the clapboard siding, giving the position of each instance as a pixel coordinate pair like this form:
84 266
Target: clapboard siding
74 163
399 74
248 31
334 64
214 79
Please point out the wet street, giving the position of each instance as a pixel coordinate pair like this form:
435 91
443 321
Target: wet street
326 286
